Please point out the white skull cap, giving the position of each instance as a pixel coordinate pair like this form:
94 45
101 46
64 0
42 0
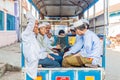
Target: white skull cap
41 25
72 27
46 23
80 22
85 21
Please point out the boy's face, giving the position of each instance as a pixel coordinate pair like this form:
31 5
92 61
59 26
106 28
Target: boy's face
42 30
49 35
79 32
48 27
35 30
73 32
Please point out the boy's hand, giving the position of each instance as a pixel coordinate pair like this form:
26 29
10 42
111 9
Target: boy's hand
65 55
50 57
77 54
56 54
58 46
25 5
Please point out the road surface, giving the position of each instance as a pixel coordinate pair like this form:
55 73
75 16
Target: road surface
112 64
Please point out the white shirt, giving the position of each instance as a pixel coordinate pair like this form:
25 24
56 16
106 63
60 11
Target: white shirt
92 47
31 49
48 42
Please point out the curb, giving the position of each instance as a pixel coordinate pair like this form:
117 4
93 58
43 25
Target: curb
2 69
7 67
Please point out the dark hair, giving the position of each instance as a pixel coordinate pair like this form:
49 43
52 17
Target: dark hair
83 26
61 31
72 30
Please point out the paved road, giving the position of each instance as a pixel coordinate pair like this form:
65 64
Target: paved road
11 54
113 65
11 76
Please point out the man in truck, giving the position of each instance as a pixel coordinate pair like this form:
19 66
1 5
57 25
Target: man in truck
89 52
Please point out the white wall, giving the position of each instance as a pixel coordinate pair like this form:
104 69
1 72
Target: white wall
32 9
100 20
115 19
114 25
7 37
114 29
8 5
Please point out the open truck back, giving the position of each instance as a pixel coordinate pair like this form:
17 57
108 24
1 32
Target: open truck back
66 8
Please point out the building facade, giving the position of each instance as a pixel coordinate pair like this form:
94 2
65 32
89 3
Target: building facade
9 22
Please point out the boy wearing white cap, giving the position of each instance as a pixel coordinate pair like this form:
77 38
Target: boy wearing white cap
48 62
90 51
31 49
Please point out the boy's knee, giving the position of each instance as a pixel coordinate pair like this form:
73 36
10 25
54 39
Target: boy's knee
56 64
64 63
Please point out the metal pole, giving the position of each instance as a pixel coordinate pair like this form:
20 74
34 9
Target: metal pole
105 16
94 23
105 31
31 8
20 14
83 15
87 14
36 13
20 17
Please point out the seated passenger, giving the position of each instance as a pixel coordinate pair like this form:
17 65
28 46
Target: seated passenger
31 49
46 38
56 59
90 50
73 32
51 38
54 48
48 62
76 47
62 40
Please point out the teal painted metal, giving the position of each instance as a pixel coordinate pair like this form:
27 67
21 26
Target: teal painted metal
28 77
90 5
104 52
10 22
59 74
22 57
44 74
113 14
68 74
82 74
34 5
1 20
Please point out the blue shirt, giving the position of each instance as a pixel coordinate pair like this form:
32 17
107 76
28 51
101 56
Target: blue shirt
92 47
77 46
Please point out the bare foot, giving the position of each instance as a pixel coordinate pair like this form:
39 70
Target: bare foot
40 66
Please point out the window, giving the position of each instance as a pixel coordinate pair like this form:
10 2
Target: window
10 22
1 20
115 14
118 13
